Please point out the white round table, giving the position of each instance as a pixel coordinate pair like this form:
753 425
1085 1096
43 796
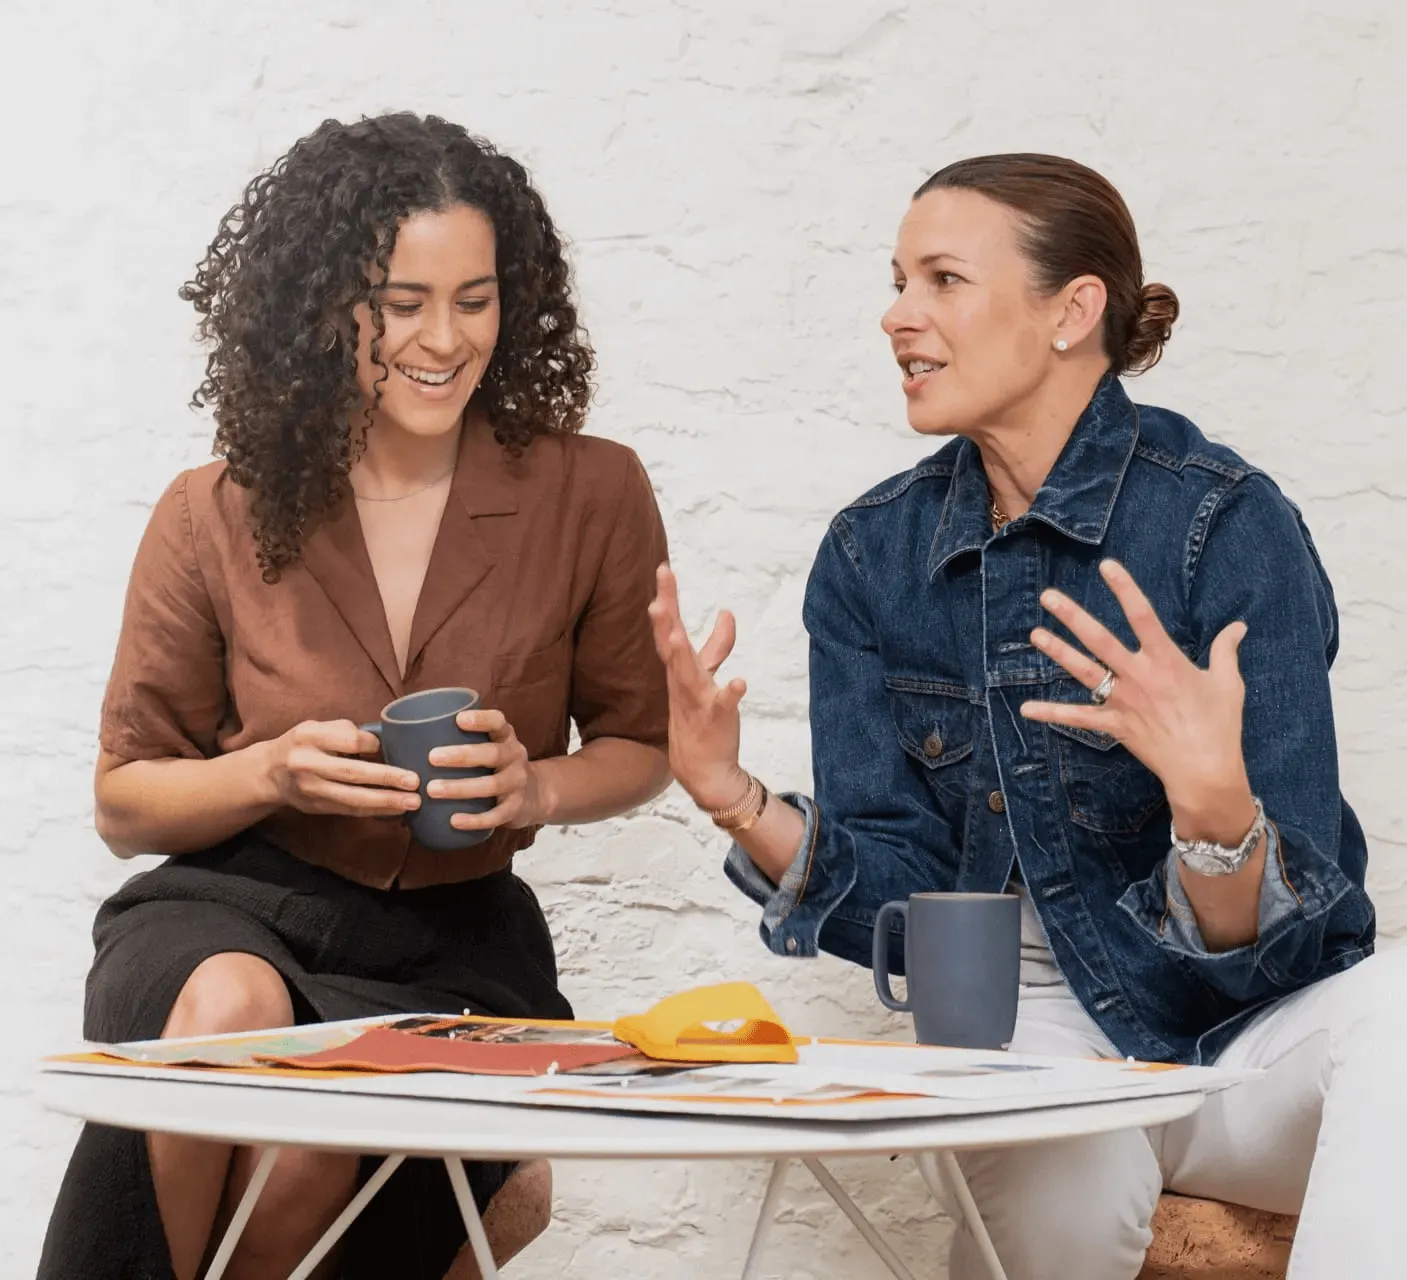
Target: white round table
204 1105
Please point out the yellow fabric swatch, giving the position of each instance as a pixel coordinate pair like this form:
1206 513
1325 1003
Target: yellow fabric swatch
678 1028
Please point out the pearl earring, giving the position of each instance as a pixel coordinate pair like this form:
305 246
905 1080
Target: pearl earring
1061 344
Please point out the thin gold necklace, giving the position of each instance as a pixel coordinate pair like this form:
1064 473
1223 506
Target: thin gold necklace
401 497
999 517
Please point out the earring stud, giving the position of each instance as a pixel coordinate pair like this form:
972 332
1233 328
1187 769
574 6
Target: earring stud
1061 344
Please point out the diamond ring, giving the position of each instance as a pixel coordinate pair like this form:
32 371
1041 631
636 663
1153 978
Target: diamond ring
1102 692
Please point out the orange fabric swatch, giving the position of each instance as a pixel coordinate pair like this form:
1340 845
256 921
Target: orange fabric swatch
385 1050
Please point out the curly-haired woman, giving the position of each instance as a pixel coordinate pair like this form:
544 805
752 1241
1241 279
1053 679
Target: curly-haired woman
403 502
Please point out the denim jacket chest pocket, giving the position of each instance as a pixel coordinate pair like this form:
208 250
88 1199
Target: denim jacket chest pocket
1107 789
936 725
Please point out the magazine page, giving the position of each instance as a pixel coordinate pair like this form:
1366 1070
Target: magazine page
260 1048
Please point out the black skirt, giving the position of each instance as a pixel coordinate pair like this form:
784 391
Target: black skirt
345 951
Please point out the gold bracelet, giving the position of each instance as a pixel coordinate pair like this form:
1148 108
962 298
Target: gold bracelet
740 827
733 811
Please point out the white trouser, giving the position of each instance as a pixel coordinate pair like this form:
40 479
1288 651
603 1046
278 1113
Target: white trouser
1322 1134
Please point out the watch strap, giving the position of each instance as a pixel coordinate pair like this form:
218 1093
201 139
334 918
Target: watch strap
1207 857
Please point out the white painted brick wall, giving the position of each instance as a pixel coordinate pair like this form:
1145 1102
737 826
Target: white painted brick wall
731 174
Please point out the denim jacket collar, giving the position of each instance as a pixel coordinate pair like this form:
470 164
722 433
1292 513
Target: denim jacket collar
1078 495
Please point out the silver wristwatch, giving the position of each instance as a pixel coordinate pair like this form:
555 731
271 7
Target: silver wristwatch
1208 858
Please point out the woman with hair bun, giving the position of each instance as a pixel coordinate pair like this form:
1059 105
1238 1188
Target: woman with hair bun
1081 654
403 502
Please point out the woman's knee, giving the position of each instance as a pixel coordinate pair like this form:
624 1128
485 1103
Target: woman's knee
229 992
305 1193
1057 1210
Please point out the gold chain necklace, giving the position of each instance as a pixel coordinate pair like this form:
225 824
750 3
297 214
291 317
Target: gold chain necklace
999 517
401 497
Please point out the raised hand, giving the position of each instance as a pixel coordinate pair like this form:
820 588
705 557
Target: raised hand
704 723
1182 721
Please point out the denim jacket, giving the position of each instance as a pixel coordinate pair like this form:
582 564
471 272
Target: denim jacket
927 777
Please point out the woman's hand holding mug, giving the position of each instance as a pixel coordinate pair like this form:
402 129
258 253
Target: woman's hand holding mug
475 774
511 782
314 768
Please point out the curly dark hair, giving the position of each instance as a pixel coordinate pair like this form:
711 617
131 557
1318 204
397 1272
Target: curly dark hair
276 289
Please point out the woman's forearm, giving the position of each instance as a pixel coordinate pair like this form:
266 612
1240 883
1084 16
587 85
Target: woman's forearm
774 840
1227 907
607 777
177 806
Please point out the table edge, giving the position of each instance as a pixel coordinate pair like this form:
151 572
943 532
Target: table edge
818 1138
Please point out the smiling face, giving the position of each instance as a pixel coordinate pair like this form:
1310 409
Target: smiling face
440 308
974 338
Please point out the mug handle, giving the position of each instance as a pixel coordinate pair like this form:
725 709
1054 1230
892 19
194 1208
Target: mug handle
372 727
880 955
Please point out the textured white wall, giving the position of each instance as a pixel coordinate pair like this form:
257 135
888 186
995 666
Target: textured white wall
731 175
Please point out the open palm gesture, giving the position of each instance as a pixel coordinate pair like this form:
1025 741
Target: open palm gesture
1181 720
704 724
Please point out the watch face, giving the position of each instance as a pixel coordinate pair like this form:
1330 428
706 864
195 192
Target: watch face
1208 859
1209 864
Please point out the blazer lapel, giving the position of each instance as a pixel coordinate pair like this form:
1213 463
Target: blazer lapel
484 485
335 555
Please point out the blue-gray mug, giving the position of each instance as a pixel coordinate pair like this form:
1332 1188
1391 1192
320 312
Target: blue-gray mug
962 963
409 729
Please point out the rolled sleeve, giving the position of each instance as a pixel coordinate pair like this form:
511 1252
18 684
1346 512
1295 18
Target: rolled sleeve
1259 565
791 918
1277 901
166 695
1176 924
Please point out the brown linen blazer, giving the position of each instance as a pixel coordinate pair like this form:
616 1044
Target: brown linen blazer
535 596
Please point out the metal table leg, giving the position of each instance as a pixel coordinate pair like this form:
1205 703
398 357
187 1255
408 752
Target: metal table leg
765 1215
473 1224
242 1212
941 1172
348 1215
862 1223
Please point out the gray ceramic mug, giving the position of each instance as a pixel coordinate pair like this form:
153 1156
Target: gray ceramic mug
409 729
962 961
